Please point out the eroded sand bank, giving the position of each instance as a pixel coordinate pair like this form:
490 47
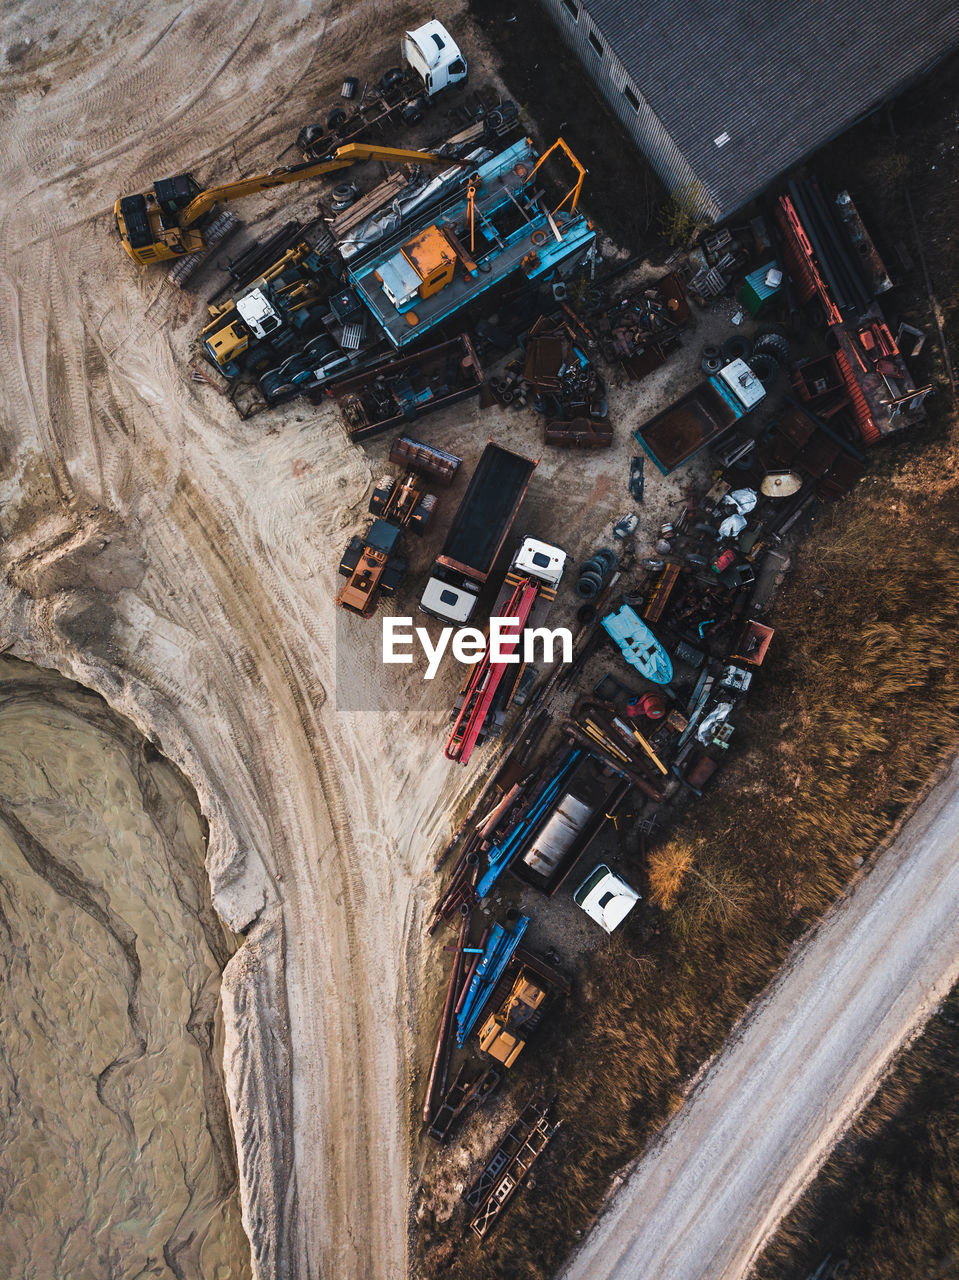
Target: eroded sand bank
117 1158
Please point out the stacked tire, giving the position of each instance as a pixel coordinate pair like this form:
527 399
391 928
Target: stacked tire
770 356
594 572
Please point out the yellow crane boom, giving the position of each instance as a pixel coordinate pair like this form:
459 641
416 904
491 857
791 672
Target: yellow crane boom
160 225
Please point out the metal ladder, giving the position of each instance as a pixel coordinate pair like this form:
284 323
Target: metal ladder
510 1165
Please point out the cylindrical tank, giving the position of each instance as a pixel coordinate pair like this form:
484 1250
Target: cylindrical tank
553 843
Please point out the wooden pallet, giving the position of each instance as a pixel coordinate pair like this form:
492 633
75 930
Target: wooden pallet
661 593
382 194
578 433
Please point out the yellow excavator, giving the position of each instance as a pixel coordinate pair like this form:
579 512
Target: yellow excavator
162 224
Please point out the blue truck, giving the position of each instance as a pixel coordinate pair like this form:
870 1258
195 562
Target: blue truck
701 416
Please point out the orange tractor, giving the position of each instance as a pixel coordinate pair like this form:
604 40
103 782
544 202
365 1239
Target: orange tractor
372 562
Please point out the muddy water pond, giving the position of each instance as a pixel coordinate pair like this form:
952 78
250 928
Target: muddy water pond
116 1157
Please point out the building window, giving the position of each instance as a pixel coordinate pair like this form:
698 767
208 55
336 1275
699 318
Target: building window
630 97
571 9
597 47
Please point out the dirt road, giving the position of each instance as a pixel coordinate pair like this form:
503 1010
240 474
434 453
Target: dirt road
700 1205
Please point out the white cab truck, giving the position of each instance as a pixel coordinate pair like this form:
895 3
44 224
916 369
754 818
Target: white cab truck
605 898
433 54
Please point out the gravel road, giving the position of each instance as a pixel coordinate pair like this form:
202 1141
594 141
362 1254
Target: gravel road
701 1204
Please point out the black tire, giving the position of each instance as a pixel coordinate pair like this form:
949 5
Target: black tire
736 348
393 576
587 589
318 348
766 368
391 78
711 364
351 556
423 513
711 352
709 530
775 345
381 495
276 388
345 193
610 556
308 135
336 117
696 561
594 566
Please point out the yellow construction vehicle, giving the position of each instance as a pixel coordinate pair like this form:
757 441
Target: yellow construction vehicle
503 1035
163 224
371 562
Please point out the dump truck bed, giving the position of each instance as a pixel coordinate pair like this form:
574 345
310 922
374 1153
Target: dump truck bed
487 512
679 432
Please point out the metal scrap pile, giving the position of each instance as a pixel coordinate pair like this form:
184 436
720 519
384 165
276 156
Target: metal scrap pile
686 634
639 329
568 391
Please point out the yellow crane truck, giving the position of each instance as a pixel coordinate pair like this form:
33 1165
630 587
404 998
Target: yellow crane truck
520 1000
503 1034
164 223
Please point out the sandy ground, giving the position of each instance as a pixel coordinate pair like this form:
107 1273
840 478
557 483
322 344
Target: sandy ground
183 564
701 1204
110 1085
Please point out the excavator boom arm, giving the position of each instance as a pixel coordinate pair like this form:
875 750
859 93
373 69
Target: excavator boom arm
342 158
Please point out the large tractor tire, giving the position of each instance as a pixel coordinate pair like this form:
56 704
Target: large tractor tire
381 495
351 556
423 513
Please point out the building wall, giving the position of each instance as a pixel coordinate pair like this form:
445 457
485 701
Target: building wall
641 124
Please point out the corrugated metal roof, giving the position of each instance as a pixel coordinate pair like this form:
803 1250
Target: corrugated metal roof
779 77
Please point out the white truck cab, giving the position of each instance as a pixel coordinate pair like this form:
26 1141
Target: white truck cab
605 898
258 313
452 596
453 601
435 57
540 560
